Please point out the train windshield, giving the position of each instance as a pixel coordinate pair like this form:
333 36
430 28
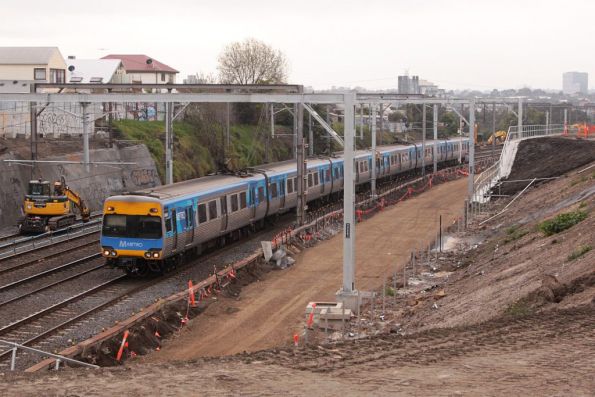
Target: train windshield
135 226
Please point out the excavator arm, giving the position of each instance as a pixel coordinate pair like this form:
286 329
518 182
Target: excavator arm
74 198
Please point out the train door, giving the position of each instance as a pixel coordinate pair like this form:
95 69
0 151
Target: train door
282 192
223 208
321 179
357 164
253 200
190 222
174 225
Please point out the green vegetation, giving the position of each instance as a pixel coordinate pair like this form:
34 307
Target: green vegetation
562 222
199 150
580 251
514 233
389 291
519 308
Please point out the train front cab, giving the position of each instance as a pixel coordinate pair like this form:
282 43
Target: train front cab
132 234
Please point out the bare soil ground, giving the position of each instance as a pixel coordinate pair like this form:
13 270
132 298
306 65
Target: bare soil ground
547 157
270 311
509 312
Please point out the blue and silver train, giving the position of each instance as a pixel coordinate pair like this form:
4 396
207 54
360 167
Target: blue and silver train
151 230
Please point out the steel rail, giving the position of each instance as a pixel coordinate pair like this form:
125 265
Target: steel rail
49 271
37 260
51 285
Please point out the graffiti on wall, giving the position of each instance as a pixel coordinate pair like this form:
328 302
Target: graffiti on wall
144 177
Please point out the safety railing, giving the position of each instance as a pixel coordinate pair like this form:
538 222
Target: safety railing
59 359
490 177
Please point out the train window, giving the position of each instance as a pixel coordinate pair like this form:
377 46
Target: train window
260 194
243 203
212 209
328 174
234 202
295 184
309 180
167 224
274 192
290 186
202 213
316 180
282 188
367 166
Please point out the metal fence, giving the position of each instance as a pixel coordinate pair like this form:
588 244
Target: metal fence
482 190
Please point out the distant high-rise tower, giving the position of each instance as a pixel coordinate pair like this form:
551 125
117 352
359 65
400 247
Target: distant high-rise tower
408 85
575 83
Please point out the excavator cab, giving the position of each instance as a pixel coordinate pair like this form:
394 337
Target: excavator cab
39 188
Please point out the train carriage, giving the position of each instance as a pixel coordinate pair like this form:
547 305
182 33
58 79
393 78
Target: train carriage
151 230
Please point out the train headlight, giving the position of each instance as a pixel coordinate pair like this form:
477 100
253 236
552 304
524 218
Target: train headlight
106 252
113 253
29 206
155 255
147 255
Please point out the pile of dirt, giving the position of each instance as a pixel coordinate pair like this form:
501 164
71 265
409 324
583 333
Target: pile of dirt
547 158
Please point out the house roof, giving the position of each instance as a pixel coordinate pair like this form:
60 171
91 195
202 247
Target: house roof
138 63
100 70
27 55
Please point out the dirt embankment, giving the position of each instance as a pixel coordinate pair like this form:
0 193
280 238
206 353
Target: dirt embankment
547 158
512 309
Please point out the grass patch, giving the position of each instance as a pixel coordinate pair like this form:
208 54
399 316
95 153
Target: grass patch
514 233
519 308
389 291
580 251
562 222
198 149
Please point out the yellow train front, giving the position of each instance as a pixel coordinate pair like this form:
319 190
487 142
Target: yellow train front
132 236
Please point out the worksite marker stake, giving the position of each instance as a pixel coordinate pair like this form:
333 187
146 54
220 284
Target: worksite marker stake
296 340
191 297
122 345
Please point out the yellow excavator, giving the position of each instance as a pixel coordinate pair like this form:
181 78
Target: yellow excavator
46 210
499 136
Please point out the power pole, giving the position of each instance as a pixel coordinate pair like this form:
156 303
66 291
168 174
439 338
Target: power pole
301 164
471 150
435 123
169 144
267 141
86 157
381 124
373 177
295 129
423 139
493 129
33 117
310 136
348 294
328 121
520 118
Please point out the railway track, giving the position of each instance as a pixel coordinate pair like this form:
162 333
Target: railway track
34 328
13 247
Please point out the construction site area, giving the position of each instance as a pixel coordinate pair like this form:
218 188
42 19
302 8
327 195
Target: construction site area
486 300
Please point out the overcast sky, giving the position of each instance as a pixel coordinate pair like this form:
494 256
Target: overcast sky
477 44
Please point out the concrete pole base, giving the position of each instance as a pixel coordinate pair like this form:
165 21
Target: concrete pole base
350 299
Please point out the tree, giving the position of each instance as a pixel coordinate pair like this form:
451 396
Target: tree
252 62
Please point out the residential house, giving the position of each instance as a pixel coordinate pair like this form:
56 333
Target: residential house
96 71
37 64
146 70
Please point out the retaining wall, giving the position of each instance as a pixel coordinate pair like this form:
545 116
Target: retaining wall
102 181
